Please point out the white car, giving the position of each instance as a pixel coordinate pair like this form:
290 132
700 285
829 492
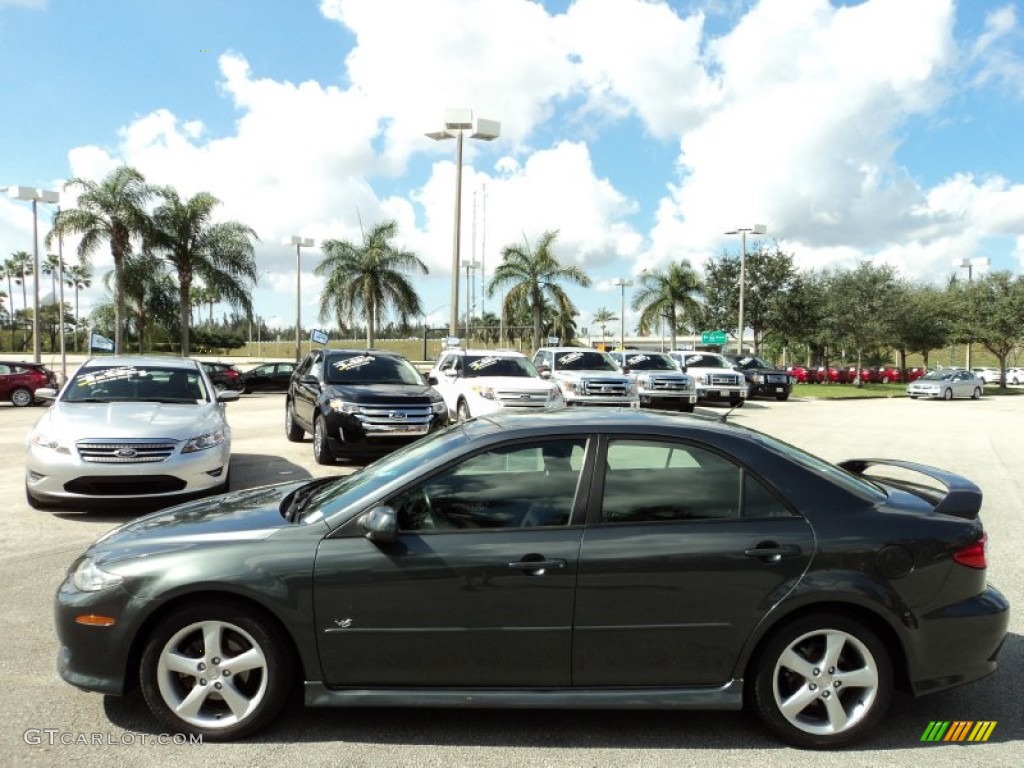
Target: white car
1015 375
129 428
988 375
586 377
947 383
474 382
717 380
659 383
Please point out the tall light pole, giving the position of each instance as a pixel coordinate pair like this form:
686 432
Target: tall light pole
757 229
969 265
469 266
37 196
456 123
299 243
622 283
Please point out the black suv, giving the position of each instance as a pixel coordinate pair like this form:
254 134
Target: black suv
359 403
763 378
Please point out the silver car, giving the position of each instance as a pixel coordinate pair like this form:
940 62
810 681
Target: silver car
129 428
947 383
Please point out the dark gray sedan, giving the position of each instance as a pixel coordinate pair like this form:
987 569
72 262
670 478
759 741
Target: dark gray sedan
606 559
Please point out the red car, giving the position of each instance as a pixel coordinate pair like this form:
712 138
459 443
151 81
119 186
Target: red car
913 374
833 375
19 381
802 375
878 374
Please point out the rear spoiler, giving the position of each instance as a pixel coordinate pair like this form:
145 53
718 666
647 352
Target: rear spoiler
962 498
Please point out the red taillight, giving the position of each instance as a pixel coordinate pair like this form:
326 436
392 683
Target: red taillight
232 374
973 555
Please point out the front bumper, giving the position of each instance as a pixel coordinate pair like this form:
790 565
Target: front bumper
721 394
347 436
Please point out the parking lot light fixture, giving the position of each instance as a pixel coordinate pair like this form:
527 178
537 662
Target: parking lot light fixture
299 243
969 265
456 123
36 196
757 229
623 284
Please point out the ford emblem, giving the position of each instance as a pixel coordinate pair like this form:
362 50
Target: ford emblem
396 415
126 453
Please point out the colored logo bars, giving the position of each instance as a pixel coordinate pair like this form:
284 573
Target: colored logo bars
958 730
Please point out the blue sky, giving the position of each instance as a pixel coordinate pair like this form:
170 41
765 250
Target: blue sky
884 129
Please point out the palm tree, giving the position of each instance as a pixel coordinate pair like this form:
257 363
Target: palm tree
8 271
533 276
78 277
20 264
671 295
149 293
111 210
221 254
369 278
602 317
51 266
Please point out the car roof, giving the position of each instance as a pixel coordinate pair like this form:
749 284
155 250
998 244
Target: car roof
371 351
491 352
184 363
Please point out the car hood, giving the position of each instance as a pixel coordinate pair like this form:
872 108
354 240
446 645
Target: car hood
511 382
383 393
586 374
248 515
73 421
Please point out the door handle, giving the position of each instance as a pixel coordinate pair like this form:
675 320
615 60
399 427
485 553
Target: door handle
773 554
537 567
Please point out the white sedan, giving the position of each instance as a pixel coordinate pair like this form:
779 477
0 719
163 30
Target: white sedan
946 384
1015 375
129 429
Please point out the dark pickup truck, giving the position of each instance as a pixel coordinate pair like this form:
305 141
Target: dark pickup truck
763 378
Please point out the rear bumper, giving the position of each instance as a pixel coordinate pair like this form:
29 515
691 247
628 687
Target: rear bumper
958 643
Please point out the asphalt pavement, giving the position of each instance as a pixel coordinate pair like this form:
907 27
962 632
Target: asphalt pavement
44 721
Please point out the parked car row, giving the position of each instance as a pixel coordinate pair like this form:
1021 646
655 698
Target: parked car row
879 374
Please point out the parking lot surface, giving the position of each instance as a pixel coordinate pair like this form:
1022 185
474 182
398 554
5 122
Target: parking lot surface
46 722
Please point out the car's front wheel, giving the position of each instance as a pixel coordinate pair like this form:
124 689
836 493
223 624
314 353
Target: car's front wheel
976 394
321 449
822 682
948 394
462 411
736 402
292 430
782 397
215 670
22 397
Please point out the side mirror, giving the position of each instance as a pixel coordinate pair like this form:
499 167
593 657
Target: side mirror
227 395
451 373
45 393
625 369
380 524
432 381
308 379
544 371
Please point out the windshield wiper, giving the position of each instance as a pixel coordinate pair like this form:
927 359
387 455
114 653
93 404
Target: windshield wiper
301 495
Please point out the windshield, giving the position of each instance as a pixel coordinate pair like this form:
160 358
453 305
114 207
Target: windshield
750 363
492 365
371 369
706 361
648 361
938 376
135 383
581 360
395 467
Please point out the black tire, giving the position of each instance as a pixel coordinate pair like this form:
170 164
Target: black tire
226 485
687 407
292 430
321 448
913 397
178 642
462 411
783 397
737 402
853 681
947 394
22 398
976 394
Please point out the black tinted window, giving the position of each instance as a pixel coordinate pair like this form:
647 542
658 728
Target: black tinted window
370 369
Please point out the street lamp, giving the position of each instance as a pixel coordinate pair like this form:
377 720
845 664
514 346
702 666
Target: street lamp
469 266
299 243
969 265
622 283
36 196
757 229
456 123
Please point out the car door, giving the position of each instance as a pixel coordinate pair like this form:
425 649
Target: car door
281 375
478 588
305 394
685 552
446 381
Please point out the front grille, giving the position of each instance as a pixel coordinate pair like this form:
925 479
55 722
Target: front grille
607 387
723 379
125 451
777 378
510 398
398 419
136 485
669 384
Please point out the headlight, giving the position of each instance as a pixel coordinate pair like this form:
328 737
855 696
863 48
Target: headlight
438 406
341 406
484 392
630 387
203 442
89 577
42 440
571 386
643 382
756 378
554 395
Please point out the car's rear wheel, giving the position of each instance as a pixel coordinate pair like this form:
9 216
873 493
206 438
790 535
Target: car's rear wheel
947 394
292 430
976 394
462 411
782 397
687 407
215 670
736 402
321 449
822 682
22 397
